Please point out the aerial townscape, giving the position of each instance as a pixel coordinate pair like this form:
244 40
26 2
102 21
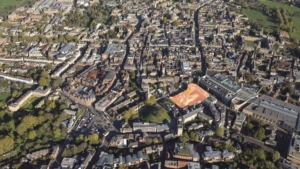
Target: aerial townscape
149 84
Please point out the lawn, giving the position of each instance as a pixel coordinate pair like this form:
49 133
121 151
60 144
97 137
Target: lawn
155 114
4 96
261 19
296 24
273 4
30 103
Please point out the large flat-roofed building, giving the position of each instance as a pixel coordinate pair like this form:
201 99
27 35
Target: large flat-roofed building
220 86
191 96
275 111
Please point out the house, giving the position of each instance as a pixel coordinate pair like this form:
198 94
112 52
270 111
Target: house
68 163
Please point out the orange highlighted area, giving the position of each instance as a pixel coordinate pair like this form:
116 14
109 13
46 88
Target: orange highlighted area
192 95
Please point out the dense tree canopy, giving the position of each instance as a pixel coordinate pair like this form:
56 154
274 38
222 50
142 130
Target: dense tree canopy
6 144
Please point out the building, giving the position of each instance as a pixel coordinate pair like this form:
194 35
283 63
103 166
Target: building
68 163
238 123
294 149
108 160
191 115
221 86
179 130
144 127
185 151
38 92
275 111
191 96
38 154
185 67
210 156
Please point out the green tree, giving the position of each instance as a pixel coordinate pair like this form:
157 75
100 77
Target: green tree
6 144
32 135
57 82
51 104
57 133
194 136
43 81
184 138
220 132
260 134
28 122
275 156
79 138
129 113
151 101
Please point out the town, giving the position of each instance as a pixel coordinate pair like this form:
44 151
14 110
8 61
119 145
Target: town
115 84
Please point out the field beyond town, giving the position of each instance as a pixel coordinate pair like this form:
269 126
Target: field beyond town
7 6
269 23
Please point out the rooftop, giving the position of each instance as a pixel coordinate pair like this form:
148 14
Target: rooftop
192 95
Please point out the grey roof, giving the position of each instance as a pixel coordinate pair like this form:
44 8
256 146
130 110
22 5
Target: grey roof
276 110
105 159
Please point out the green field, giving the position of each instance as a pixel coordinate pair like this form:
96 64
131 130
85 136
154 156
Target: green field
273 4
155 114
262 19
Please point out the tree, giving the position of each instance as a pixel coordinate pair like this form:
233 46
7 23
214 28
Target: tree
6 144
51 104
32 135
94 138
220 132
151 101
194 136
57 133
275 156
14 93
79 138
57 82
184 138
129 113
28 122
43 81
260 134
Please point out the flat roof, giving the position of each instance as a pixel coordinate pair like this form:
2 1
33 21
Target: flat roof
192 95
